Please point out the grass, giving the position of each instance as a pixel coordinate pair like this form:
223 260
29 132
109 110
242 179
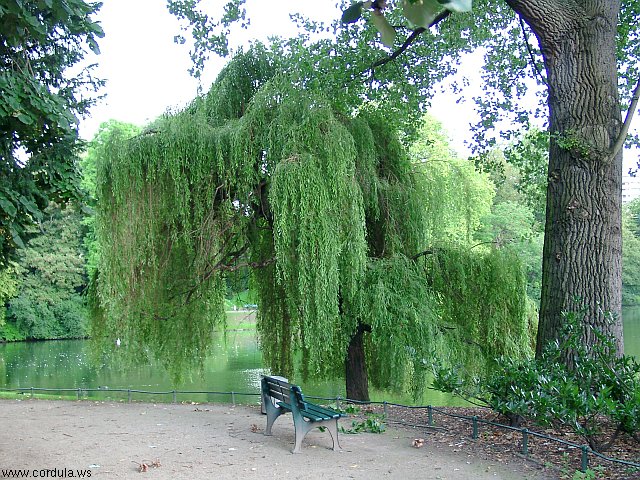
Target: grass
241 320
24 395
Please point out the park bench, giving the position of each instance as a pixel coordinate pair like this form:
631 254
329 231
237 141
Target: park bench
279 397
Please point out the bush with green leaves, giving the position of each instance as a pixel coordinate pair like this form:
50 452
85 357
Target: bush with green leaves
585 388
50 275
8 288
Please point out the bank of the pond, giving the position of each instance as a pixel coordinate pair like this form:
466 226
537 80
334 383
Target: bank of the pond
221 441
234 364
237 320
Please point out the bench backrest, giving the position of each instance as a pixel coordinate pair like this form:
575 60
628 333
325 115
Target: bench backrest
284 392
278 389
297 399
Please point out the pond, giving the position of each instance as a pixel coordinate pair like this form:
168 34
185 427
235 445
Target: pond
232 366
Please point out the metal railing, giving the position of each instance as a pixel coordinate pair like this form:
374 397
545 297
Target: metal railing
475 421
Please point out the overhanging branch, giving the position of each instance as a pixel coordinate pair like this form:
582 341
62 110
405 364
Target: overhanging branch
617 146
532 57
422 254
410 39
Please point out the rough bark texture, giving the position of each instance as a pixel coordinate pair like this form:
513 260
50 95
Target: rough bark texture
356 379
582 247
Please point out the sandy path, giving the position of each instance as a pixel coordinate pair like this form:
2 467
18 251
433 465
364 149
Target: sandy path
214 441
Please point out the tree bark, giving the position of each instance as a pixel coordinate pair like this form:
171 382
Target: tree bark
582 246
356 379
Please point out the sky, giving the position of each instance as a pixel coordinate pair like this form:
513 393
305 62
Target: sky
147 73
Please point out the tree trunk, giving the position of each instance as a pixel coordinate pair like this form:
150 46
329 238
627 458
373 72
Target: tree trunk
582 246
356 379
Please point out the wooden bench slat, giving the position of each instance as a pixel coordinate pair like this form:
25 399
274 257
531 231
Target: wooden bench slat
323 411
313 412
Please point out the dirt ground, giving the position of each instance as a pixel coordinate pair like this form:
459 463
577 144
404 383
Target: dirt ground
167 441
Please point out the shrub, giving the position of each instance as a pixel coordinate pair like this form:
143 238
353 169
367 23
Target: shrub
593 390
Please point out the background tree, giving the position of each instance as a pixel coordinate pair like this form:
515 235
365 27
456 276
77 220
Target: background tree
39 42
456 196
516 220
50 281
631 253
511 225
8 289
111 130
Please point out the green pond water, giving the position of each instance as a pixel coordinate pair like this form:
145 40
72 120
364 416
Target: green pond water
232 366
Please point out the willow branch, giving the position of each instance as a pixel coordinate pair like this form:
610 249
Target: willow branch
410 39
421 254
617 146
483 243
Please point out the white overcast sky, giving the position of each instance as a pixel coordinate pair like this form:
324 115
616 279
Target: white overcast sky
147 73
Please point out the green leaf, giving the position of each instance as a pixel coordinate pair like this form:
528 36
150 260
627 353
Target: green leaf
16 237
93 45
421 13
387 32
24 118
13 101
31 207
8 207
457 5
352 14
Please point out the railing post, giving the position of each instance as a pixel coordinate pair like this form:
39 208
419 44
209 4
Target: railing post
430 414
78 392
129 395
384 407
31 392
338 398
233 398
174 397
475 427
525 441
584 464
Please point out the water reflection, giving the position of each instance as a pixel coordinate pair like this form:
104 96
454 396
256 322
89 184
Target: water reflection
631 319
234 365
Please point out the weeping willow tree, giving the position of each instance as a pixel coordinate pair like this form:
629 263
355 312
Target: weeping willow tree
324 206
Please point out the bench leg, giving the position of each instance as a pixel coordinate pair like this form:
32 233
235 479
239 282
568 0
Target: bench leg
273 413
303 427
332 426
271 418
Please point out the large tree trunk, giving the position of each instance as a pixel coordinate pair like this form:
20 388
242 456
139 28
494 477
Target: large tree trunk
582 246
356 379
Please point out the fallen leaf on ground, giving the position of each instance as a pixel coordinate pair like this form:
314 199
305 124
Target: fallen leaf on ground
418 442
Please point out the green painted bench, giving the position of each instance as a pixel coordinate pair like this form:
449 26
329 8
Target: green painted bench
306 415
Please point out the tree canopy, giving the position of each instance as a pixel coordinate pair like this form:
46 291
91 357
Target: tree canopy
50 277
40 41
325 207
584 121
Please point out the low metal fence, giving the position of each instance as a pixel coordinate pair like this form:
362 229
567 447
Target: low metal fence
233 396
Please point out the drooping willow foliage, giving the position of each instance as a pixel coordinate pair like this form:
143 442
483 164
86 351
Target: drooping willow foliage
484 305
323 206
